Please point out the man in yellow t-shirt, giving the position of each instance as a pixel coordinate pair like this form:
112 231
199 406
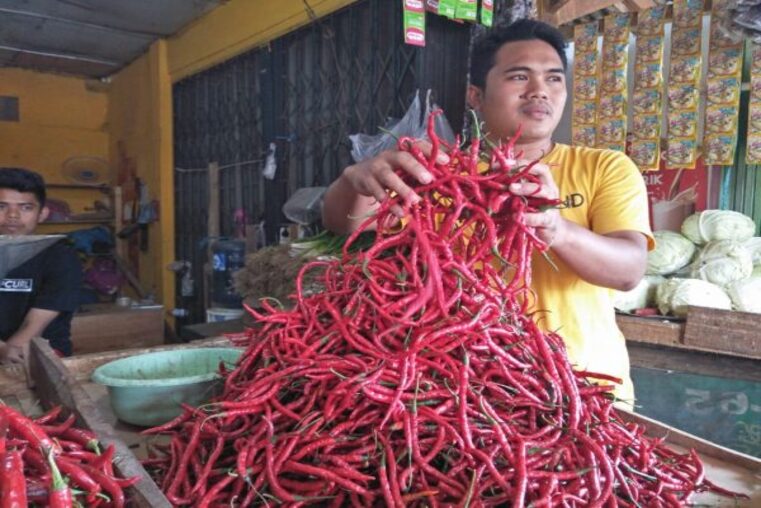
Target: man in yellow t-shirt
518 78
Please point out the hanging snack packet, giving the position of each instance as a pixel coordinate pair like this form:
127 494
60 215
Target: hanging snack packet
448 8
487 12
414 22
467 10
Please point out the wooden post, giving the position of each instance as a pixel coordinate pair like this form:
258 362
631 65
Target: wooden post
118 204
212 229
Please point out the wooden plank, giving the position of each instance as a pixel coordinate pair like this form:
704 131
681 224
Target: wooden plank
652 331
215 329
212 229
110 327
639 5
574 9
724 331
727 468
54 385
12 380
689 361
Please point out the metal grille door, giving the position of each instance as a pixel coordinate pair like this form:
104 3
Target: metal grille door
306 92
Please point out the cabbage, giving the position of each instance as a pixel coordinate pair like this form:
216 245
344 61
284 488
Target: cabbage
746 294
672 252
754 247
643 295
722 262
663 294
709 225
675 295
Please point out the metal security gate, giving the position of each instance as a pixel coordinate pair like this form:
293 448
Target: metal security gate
345 73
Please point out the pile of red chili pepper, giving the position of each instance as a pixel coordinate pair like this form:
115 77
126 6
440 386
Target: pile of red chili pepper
417 378
48 461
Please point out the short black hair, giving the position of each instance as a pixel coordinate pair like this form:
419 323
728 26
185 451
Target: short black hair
23 180
486 47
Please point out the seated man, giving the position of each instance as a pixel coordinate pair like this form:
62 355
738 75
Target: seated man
38 297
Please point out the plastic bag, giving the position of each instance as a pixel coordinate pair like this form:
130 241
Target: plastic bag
270 164
412 124
305 206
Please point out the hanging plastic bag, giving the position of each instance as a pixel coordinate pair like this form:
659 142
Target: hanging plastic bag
270 163
413 124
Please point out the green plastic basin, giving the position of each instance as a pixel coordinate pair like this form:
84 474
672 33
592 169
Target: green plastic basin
147 389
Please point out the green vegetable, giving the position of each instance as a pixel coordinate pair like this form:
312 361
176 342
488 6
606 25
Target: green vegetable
675 295
722 262
641 296
753 245
709 225
746 294
672 252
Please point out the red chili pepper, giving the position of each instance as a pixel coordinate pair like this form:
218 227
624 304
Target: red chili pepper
27 429
12 481
109 485
3 433
85 438
57 430
79 476
49 416
59 495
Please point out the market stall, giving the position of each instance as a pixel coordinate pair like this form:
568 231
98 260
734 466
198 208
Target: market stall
394 365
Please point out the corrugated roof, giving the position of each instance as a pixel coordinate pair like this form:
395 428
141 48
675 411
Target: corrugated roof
89 38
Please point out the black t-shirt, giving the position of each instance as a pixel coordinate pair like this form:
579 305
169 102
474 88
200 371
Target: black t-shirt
51 280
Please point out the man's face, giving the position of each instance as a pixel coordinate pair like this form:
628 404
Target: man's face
526 87
19 212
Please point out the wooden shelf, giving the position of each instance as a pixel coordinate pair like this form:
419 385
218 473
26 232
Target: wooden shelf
101 186
105 220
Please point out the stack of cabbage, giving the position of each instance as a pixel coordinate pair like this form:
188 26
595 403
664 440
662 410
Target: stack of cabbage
715 262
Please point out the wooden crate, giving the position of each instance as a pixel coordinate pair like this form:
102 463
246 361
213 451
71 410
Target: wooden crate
55 385
726 468
723 331
711 330
651 330
67 381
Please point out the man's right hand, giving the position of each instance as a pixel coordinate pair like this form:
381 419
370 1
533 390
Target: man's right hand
346 202
377 178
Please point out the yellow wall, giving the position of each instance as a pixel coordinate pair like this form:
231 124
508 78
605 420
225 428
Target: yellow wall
140 127
59 118
236 27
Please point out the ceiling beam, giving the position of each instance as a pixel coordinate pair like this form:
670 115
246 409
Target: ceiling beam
83 24
59 55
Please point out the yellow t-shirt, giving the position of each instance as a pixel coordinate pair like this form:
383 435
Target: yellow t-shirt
615 199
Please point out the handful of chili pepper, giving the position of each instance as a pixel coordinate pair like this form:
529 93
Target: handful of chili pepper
418 378
49 462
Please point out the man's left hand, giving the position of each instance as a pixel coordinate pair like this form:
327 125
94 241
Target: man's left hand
11 353
549 225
